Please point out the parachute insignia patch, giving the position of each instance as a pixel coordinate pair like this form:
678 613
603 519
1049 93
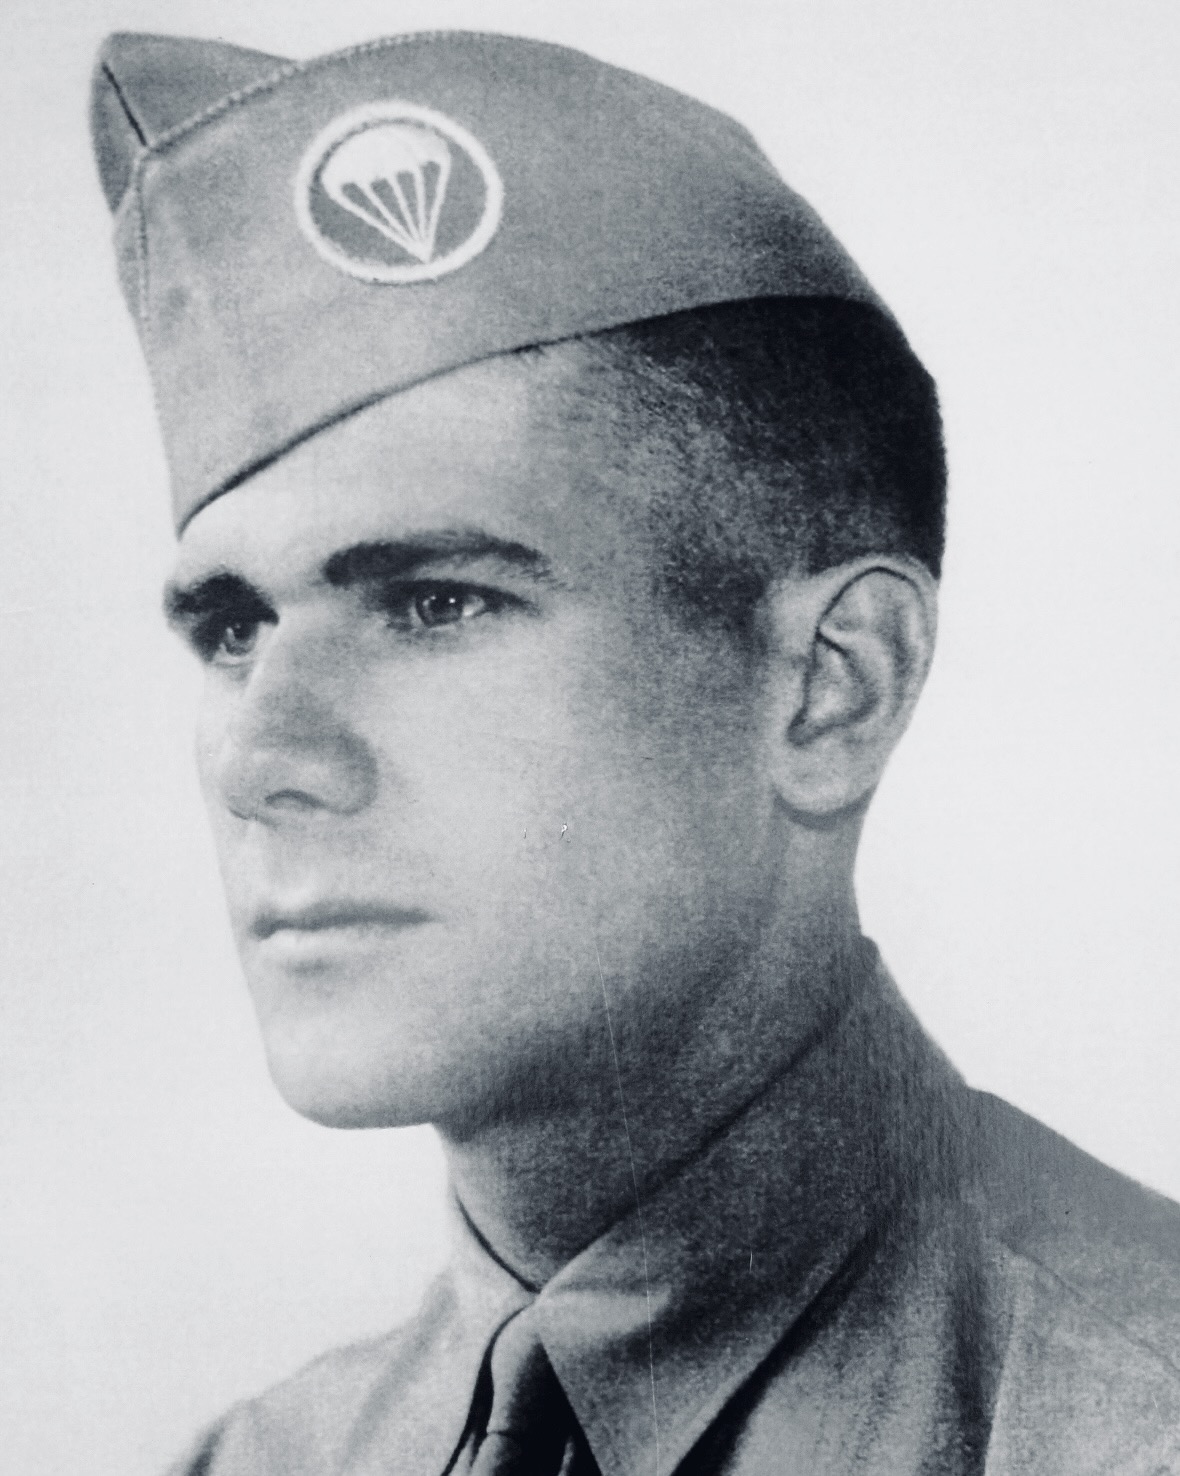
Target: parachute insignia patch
393 192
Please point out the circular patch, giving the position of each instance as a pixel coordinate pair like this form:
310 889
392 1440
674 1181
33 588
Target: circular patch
393 192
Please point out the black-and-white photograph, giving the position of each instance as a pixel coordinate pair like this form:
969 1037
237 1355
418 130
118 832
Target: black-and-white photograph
590 603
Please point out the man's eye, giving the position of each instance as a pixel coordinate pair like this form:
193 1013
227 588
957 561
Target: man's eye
429 606
448 605
227 641
238 638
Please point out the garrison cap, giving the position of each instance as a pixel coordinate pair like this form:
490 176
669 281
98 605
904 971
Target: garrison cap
297 240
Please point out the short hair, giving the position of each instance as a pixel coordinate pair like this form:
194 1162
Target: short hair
804 433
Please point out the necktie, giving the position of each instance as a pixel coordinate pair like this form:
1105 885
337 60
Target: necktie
531 1430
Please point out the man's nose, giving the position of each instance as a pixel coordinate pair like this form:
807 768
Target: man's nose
288 750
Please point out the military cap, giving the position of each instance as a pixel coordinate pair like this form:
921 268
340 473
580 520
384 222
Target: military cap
297 240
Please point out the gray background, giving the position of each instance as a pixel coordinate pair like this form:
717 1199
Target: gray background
1006 173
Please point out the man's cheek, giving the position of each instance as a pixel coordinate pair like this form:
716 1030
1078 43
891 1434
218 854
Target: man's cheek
211 745
205 745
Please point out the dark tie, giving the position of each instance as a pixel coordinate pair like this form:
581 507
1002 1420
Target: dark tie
531 1430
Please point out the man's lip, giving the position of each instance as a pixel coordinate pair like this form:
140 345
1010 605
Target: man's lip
319 916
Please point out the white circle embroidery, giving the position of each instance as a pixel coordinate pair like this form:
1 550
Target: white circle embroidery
394 192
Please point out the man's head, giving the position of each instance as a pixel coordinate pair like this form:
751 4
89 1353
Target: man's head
483 718
559 674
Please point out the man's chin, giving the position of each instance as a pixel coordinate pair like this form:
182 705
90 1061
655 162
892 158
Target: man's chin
358 1088
339 1086
334 1101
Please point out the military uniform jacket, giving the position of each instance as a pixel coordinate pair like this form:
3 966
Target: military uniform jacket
871 1270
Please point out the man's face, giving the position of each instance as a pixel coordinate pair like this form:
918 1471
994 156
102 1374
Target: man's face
470 777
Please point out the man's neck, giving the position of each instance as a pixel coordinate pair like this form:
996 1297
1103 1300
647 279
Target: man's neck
540 1185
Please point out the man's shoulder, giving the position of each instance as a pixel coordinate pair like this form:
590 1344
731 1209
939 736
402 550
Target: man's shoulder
309 1423
1027 1320
1092 1285
1107 1242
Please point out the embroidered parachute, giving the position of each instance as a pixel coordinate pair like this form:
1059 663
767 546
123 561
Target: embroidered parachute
393 177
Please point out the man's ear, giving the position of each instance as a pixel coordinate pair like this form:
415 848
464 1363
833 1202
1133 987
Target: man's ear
848 651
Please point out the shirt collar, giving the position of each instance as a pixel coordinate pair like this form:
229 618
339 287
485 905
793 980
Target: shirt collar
655 1325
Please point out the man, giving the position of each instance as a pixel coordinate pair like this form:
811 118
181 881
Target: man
560 519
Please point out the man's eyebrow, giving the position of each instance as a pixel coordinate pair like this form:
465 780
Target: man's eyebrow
213 592
370 563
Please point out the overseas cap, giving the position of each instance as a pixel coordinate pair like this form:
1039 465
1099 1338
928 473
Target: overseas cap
299 240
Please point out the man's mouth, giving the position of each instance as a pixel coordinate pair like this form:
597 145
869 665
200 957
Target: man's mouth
326 916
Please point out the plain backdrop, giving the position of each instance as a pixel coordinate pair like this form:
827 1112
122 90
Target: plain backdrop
173 1237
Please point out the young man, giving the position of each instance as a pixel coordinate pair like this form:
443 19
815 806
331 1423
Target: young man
560 518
